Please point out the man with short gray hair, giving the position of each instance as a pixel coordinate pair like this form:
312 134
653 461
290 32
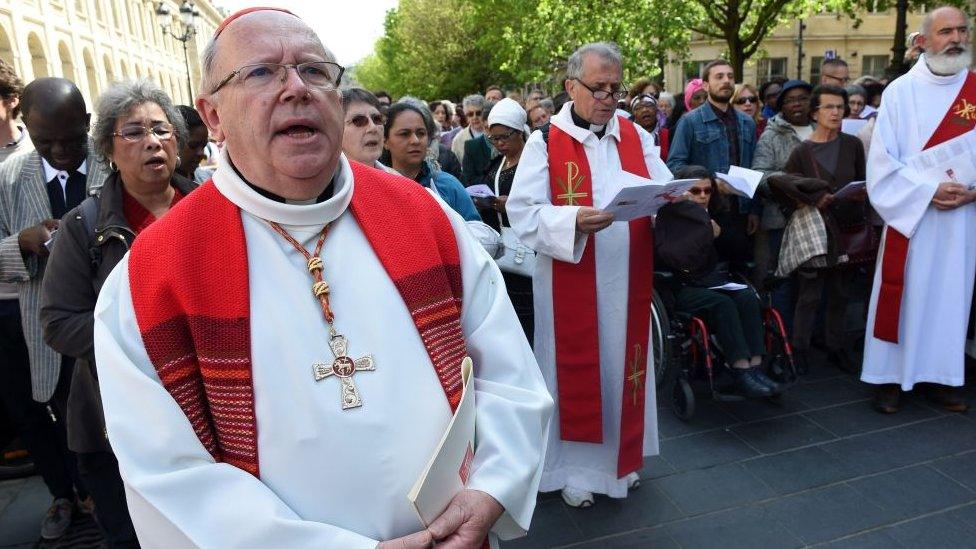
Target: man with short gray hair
592 284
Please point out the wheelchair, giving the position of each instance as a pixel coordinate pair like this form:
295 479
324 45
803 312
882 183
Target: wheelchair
685 350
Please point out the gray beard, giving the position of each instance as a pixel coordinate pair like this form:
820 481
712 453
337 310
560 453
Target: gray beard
945 64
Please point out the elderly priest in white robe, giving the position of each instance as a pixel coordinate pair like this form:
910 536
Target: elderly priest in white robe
280 355
923 286
593 280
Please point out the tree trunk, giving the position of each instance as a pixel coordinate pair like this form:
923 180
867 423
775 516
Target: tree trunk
897 67
736 57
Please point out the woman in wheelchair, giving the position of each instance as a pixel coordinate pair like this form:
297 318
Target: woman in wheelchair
685 236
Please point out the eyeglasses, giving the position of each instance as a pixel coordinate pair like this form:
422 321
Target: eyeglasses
700 190
844 80
258 76
603 95
361 120
796 100
744 100
502 136
831 107
473 114
162 131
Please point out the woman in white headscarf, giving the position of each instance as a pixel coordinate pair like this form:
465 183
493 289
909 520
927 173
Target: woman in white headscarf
507 131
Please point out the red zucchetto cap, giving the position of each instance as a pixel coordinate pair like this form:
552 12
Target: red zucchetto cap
230 19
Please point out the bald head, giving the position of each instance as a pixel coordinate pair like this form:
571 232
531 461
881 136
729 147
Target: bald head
941 15
51 97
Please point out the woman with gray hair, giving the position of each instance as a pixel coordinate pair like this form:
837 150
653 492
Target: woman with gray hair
138 132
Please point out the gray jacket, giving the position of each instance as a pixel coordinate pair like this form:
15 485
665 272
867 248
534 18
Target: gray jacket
23 204
772 151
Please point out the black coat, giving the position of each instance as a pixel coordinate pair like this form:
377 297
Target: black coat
76 270
478 154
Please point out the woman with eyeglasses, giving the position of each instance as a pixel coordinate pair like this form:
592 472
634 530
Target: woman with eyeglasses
818 168
644 113
362 137
688 242
139 131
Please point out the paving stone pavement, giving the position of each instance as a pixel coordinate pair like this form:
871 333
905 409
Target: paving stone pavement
821 469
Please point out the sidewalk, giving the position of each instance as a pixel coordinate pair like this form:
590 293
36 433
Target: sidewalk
824 468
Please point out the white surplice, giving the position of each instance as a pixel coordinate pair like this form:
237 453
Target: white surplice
329 478
942 244
551 231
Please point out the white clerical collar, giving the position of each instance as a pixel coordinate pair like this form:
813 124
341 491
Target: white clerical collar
564 121
50 172
244 197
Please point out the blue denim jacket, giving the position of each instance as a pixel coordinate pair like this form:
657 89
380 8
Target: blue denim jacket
699 139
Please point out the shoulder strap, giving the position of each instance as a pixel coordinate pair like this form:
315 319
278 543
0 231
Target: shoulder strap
89 212
545 132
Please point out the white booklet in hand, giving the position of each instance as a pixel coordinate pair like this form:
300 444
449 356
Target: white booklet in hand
743 181
448 469
645 200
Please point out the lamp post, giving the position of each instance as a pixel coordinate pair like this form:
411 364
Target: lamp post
183 30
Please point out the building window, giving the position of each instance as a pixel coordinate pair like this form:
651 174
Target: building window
874 65
769 68
693 69
815 63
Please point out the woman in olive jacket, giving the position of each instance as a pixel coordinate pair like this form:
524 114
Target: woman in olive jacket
139 132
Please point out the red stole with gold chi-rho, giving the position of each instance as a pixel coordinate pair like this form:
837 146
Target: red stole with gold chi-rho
960 119
574 303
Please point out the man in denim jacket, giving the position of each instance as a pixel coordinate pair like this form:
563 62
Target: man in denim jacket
714 135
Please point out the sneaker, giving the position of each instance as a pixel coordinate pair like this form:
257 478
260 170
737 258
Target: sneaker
580 499
759 375
747 385
58 518
633 481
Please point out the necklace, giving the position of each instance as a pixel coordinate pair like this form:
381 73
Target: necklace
342 366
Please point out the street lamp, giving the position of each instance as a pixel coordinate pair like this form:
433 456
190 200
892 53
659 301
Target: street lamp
184 30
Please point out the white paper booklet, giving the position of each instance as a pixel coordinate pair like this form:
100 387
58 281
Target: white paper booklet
852 126
742 180
480 191
954 160
645 200
448 468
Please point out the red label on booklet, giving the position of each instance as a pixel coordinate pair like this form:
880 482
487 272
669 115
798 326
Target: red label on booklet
465 470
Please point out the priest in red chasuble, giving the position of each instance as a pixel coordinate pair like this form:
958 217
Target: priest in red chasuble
592 283
921 187
280 355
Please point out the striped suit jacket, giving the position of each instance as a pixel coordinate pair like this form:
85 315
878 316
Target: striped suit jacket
23 204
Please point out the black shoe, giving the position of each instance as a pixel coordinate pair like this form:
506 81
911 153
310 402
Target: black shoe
759 375
843 360
748 385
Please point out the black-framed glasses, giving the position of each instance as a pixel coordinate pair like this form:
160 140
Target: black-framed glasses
361 120
258 76
162 131
473 114
707 191
844 80
603 95
502 137
744 100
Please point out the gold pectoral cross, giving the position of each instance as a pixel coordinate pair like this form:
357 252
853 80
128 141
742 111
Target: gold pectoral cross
571 185
636 376
344 367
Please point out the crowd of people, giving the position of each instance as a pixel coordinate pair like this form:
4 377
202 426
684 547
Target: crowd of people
156 328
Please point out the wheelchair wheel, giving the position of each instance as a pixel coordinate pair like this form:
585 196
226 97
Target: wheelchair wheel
682 399
660 326
779 360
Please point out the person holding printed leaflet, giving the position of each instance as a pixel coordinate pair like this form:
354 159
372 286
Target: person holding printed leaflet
592 285
923 286
285 384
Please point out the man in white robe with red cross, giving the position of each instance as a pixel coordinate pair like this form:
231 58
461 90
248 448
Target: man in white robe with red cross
923 285
279 359
593 281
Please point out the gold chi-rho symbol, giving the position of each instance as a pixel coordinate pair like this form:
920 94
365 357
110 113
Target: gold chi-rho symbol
571 185
965 110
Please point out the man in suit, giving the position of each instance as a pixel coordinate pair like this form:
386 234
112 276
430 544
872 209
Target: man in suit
36 189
